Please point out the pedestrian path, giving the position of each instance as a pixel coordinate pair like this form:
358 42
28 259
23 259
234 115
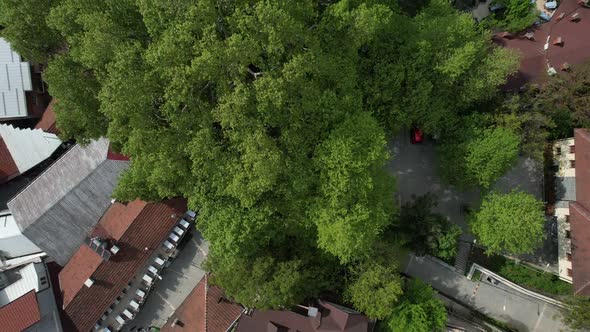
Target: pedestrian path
517 309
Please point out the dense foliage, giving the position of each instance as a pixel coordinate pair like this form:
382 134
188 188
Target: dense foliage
269 116
428 232
418 311
576 314
547 283
515 16
511 223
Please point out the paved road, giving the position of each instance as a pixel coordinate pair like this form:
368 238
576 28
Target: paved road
505 304
178 280
415 169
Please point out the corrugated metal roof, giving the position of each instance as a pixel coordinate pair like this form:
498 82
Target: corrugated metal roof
29 280
62 205
28 147
15 80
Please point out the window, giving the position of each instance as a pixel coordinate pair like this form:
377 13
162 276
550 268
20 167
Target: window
572 163
568 234
567 218
572 149
558 150
569 272
569 257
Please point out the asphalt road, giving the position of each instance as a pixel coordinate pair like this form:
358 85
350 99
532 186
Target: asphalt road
505 304
178 280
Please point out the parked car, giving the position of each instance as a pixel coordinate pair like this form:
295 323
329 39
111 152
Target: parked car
416 136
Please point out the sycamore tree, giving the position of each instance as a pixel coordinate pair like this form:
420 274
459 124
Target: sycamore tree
511 223
517 15
418 310
375 291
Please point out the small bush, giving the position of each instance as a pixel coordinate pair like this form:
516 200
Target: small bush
535 280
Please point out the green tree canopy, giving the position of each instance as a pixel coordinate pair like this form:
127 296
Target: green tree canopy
417 311
27 30
491 155
375 291
268 116
428 232
512 223
516 15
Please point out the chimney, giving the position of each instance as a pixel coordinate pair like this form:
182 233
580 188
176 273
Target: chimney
565 66
560 17
507 35
558 41
575 17
89 282
114 249
529 35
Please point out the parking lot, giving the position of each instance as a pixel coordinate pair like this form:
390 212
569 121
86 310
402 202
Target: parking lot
178 280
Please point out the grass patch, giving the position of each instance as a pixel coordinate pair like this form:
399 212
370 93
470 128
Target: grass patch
534 279
523 275
476 275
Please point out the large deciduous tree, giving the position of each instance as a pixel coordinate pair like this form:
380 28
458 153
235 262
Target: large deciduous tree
375 291
417 311
511 223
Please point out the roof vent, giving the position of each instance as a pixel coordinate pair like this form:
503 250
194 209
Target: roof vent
312 311
114 249
558 41
583 2
551 71
113 200
560 17
575 17
89 282
529 35
565 66
507 35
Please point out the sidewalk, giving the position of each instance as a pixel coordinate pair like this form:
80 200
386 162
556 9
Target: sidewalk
518 310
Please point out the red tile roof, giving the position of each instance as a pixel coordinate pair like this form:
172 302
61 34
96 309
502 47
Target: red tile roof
148 230
21 313
574 50
8 169
580 215
117 219
80 267
330 318
47 121
202 311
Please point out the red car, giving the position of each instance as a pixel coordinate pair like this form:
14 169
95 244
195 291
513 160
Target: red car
416 136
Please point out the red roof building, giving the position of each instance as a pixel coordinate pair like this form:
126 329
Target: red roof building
21 313
326 317
580 215
557 44
102 284
205 310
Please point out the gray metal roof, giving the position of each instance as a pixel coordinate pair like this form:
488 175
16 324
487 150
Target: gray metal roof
60 207
15 80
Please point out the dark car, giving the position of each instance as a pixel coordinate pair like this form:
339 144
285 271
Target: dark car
416 136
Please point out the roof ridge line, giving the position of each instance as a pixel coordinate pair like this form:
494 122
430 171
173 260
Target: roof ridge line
206 299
